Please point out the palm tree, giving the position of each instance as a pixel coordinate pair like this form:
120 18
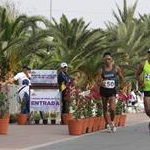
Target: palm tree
128 39
74 43
20 37
126 15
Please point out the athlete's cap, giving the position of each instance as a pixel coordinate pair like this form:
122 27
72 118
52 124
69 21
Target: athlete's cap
149 50
62 65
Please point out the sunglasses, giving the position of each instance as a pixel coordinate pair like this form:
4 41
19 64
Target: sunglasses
65 67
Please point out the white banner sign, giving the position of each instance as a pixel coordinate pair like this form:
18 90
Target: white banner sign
45 100
44 77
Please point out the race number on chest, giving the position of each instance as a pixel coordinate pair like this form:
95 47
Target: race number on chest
109 84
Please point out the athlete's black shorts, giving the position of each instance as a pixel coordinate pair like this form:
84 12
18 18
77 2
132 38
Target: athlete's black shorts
105 92
147 93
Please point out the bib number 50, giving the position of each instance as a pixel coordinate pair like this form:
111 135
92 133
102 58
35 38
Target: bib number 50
109 84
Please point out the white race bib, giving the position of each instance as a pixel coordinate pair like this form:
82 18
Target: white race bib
109 84
147 76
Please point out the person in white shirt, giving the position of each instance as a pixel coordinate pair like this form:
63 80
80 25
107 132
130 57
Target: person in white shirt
133 98
23 96
25 74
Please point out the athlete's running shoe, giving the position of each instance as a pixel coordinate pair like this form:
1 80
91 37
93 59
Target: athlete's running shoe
108 128
113 128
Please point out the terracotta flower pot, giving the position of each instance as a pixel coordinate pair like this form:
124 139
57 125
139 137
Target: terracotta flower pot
7 116
4 123
66 117
75 126
85 125
22 119
90 124
96 123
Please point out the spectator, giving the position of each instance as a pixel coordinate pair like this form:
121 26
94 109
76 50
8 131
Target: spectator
23 96
25 74
132 98
63 80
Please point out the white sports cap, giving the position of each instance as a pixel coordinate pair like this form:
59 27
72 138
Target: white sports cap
62 65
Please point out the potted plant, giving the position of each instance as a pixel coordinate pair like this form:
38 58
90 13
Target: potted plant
66 116
4 122
119 107
4 89
99 123
119 110
121 113
77 102
46 117
53 116
36 117
89 107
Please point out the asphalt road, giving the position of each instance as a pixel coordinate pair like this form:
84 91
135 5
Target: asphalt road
135 137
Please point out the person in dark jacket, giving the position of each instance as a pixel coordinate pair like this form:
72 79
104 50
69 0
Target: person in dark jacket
63 80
